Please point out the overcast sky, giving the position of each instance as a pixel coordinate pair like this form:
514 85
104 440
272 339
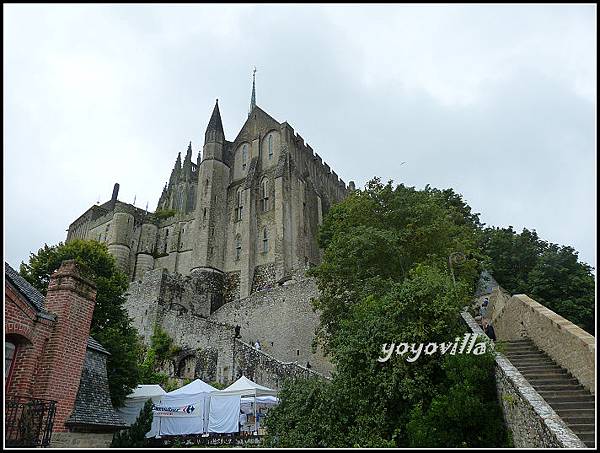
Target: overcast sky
497 102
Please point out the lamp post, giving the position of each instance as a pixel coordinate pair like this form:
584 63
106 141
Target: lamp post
457 258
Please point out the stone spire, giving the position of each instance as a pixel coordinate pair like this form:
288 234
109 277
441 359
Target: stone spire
176 170
187 163
253 98
214 131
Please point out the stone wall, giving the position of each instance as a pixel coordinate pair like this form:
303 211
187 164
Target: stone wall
532 422
282 320
265 369
567 344
81 440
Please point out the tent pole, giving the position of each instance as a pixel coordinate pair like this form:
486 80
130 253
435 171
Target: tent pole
255 416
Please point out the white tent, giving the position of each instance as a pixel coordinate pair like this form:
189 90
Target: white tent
182 411
135 401
225 405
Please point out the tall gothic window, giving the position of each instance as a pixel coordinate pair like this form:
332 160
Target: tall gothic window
265 194
265 240
270 146
239 205
244 156
238 247
166 240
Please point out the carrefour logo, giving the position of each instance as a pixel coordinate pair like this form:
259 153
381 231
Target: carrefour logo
188 409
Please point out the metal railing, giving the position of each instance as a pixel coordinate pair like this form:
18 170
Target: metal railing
28 421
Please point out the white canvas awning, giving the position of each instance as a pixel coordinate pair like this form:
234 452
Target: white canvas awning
135 401
183 411
245 387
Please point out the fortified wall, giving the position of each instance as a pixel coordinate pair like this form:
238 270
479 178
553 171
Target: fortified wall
545 373
281 319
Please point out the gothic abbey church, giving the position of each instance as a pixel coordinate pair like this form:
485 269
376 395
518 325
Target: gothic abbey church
239 223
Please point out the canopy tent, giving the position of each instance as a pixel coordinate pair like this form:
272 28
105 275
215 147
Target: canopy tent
182 411
245 387
194 387
134 402
226 405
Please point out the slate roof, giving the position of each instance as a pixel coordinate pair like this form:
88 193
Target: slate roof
31 294
93 344
93 406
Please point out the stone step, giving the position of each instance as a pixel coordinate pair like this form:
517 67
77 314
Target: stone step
590 444
519 341
539 368
591 412
569 399
521 349
531 360
564 393
565 380
516 354
545 374
579 420
529 363
571 405
546 387
586 432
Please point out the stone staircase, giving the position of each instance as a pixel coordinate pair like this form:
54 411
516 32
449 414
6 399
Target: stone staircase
569 399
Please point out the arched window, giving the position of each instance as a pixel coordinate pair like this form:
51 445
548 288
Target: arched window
9 354
238 247
166 240
264 194
270 146
239 204
244 156
265 240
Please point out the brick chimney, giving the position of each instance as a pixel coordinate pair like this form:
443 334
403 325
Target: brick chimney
71 297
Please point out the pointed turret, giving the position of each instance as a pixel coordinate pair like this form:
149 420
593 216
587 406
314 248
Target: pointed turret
176 170
214 131
187 164
214 138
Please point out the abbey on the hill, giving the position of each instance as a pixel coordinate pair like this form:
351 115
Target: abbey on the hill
247 211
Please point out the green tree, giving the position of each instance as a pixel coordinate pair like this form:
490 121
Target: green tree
384 278
111 325
549 273
135 436
564 285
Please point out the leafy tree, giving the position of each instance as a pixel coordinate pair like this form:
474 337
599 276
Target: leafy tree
111 325
154 357
464 412
549 273
384 278
135 436
374 237
564 285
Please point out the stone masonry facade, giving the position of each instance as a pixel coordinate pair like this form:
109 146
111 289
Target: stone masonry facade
229 244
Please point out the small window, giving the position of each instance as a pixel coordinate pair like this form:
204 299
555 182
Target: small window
270 146
9 355
265 195
238 247
265 240
239 205
244 157
204 214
